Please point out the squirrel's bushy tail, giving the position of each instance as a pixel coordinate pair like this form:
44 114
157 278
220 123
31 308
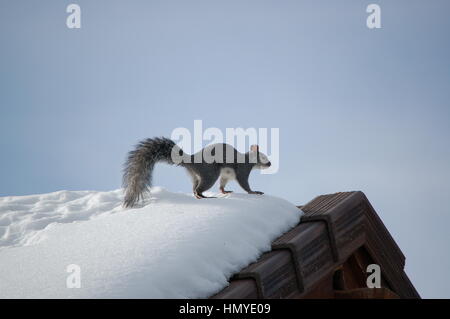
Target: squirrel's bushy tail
139 165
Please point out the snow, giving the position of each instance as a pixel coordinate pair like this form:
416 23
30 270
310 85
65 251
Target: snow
175 246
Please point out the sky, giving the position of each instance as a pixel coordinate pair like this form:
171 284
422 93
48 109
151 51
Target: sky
357 108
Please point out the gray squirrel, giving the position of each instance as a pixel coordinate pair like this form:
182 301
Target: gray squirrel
204 167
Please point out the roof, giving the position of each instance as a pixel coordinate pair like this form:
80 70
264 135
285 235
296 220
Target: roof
326 256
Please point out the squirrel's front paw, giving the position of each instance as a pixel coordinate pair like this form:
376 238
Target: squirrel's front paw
256 192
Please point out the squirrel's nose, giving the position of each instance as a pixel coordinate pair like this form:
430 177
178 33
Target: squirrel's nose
268 164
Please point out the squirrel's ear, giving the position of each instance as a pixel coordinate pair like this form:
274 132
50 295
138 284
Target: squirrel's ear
254 148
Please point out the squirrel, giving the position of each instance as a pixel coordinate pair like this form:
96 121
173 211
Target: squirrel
204 167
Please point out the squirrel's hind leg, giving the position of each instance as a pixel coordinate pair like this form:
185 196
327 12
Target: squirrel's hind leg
200 195
195 183
204 184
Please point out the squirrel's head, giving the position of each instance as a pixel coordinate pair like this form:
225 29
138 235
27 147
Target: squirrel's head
259 158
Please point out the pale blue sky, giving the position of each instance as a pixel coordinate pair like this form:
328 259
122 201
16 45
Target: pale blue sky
357 109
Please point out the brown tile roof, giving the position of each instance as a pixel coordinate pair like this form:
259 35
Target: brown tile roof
326 255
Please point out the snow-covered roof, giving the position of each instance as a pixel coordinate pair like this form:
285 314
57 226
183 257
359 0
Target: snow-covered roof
174 247
233 246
